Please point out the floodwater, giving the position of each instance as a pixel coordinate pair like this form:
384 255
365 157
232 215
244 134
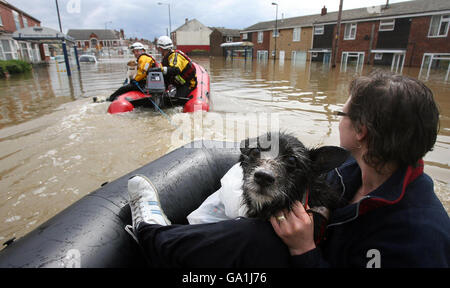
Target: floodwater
57 146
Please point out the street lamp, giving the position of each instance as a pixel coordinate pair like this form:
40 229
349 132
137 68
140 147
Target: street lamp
170 21
275 33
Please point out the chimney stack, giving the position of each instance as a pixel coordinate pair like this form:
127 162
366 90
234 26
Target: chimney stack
186 20
324 11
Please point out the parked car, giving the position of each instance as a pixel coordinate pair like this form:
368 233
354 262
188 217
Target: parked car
88 58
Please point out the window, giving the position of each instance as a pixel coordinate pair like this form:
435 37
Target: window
16 20
350 31
296 34
318 30
25 52
262 55
8 50
25 22
229 38
439 26
260 37
1 21
436 66
378 56
387 25
354 60
94 43
244 36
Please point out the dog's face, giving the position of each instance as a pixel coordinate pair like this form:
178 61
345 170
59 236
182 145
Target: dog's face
278 169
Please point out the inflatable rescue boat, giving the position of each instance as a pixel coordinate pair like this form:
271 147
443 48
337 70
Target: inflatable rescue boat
157 97
90 233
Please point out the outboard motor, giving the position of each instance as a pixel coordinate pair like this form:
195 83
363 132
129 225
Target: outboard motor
156 87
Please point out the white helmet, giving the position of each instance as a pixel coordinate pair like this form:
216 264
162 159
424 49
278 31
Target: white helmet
164 42
137 46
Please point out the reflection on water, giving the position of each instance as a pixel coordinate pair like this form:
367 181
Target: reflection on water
57 146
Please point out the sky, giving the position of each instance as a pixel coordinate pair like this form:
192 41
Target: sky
146 19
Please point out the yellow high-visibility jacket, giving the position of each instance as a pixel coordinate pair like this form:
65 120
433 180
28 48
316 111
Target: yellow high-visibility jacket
179 64
145 62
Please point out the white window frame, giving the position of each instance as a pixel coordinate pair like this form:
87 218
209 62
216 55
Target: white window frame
244 36
260 37
296 34
16 20
12 47
229 39
349 28
319 30
443 19
360 61
387 25
2 56
434 56
262 55
25 22
1 21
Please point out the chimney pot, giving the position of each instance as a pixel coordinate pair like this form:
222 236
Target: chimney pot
324 11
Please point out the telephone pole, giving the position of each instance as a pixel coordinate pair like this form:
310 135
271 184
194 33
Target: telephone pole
338 34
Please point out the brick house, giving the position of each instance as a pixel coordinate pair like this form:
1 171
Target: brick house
412 33
220 35
192 37
11 20
293 38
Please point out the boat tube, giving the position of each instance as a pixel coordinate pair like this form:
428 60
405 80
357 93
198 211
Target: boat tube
197 100
90 233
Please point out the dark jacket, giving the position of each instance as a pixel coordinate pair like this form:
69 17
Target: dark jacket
400 224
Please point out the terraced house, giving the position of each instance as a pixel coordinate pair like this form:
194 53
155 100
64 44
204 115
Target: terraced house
293 37
412 33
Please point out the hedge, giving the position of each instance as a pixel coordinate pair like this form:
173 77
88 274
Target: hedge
13 67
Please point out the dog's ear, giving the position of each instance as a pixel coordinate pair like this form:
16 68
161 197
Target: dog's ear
327 158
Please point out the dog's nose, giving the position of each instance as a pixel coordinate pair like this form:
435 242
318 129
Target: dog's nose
264 178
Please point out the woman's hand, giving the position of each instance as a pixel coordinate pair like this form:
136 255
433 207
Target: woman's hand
295 228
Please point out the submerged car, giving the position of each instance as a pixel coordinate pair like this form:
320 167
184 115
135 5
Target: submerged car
88 58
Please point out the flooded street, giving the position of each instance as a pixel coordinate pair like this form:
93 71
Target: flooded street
57 146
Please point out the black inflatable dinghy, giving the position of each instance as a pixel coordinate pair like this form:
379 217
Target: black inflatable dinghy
90 232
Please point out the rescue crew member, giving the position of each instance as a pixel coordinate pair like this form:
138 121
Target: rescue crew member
177 68
145 62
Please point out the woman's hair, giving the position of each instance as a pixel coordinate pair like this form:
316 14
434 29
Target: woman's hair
400 114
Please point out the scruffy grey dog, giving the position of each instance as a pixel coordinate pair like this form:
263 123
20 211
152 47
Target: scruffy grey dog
278 169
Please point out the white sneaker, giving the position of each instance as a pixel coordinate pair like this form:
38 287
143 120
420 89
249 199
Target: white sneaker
144 204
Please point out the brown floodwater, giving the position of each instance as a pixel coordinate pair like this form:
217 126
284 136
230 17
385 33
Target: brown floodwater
57 146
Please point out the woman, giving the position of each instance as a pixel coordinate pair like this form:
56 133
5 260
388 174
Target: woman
392 217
